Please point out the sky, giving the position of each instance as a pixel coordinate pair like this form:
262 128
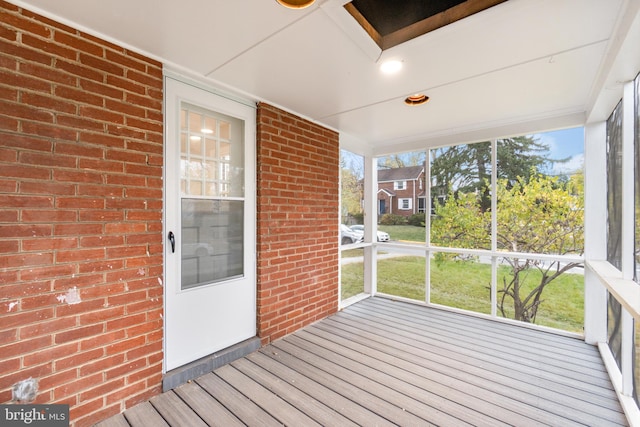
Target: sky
566 143
563 144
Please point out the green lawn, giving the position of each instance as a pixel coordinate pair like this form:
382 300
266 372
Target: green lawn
466 285
404 232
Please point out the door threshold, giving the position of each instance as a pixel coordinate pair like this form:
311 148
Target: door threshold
197 368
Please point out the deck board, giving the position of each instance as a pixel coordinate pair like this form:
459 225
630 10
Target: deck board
381 362
212 412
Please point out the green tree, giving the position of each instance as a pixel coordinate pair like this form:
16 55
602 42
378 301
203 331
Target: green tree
541 215
351 181
466 168
401 160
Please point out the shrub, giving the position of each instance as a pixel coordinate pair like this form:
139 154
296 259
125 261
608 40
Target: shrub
417 219
391 219
358 217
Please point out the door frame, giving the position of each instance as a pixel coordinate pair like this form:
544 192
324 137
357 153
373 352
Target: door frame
250 223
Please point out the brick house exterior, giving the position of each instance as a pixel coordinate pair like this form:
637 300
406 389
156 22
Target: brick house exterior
401 191
81 199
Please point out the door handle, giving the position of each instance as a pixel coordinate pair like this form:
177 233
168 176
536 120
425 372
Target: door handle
172 239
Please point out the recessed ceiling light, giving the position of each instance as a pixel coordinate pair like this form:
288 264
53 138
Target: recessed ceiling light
416 99
296 4
207 131
391 66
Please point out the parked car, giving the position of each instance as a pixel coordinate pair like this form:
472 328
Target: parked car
348 235
382 236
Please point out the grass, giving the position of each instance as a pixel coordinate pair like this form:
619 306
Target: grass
466 285
404 232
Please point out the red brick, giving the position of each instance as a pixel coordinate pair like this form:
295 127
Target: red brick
101 215
22 82
77 176
78 333
49 131
75 309
48 327
108 265
51 188
101 64
126 84
49 354
146 125
100 341
101 241
124 346
24 373
48 47
24 346
80 255
74 387
9 366
101 315
22 171
78 43
27 54
79 150
102 89
9 246
46 215
65 144
79 123
126 392
7 186
76 229
103 365
48 272
127 61
101 165
25 260
79 95
101 114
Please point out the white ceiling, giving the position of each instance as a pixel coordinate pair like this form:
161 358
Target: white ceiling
521 66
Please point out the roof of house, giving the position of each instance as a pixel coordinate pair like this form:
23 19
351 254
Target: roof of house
400 174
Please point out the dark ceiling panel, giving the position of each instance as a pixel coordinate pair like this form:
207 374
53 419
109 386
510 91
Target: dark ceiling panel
389 16
390 23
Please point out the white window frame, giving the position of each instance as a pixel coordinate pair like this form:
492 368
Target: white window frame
399 185
401 204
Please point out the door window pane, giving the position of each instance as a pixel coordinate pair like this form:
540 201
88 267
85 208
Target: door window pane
211 174
212 240
212 161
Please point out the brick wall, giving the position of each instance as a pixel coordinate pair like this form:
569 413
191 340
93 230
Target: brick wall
80 217
298 164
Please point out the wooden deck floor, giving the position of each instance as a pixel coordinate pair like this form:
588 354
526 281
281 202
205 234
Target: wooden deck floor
381 362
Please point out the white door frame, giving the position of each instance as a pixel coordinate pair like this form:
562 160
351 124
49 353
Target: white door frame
232 107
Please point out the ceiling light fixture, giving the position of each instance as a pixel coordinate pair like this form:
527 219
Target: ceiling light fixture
416 99
391 66
296 4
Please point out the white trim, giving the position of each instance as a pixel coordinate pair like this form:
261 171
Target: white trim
627 402
628 181
626 291
595 232
371 224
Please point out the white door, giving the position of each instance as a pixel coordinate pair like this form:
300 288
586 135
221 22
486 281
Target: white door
210 286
